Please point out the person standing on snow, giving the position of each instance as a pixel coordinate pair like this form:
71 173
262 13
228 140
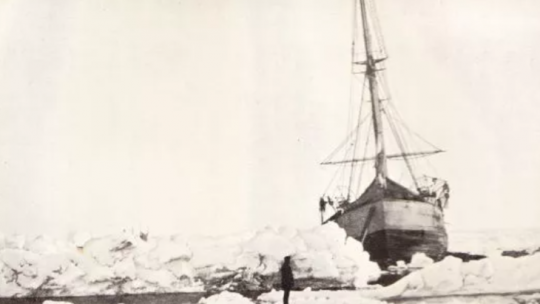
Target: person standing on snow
287 279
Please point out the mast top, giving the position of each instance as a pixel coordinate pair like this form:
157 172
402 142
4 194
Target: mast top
371 74
372 60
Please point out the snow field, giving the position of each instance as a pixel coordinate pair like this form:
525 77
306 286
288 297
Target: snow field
126 263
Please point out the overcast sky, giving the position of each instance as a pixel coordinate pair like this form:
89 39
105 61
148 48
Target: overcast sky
207 116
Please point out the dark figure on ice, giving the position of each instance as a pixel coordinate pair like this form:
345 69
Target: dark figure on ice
287 279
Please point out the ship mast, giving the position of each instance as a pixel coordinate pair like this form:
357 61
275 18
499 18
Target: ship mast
373 81
371 74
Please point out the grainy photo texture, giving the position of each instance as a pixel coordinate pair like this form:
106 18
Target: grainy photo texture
284 151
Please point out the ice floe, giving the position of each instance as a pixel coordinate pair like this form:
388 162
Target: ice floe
226 298
452 276
318 297
129 263
322 257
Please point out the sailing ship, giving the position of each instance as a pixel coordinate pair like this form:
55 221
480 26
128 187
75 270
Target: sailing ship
391 220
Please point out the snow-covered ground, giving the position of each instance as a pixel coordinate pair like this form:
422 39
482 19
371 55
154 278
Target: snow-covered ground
345 297
226 298
494 242
496 274
318 297
354 297
322 257
126 263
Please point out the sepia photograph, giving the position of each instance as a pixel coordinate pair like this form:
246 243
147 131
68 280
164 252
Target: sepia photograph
269 152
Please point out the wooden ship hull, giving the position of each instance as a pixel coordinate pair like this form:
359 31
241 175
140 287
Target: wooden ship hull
397 230
393 224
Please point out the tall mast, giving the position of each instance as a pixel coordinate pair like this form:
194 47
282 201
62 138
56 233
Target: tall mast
371 74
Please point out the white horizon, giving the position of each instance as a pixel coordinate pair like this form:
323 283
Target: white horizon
211 117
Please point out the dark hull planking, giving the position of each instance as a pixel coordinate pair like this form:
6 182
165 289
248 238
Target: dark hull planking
396 229
388 246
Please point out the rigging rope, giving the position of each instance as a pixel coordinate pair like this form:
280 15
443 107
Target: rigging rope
412 163
390 112
416 135
426 161
351 99
343 171
402 148
375 25
354 33
346 140
331 182
363 163
402 123
357 137
385 87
